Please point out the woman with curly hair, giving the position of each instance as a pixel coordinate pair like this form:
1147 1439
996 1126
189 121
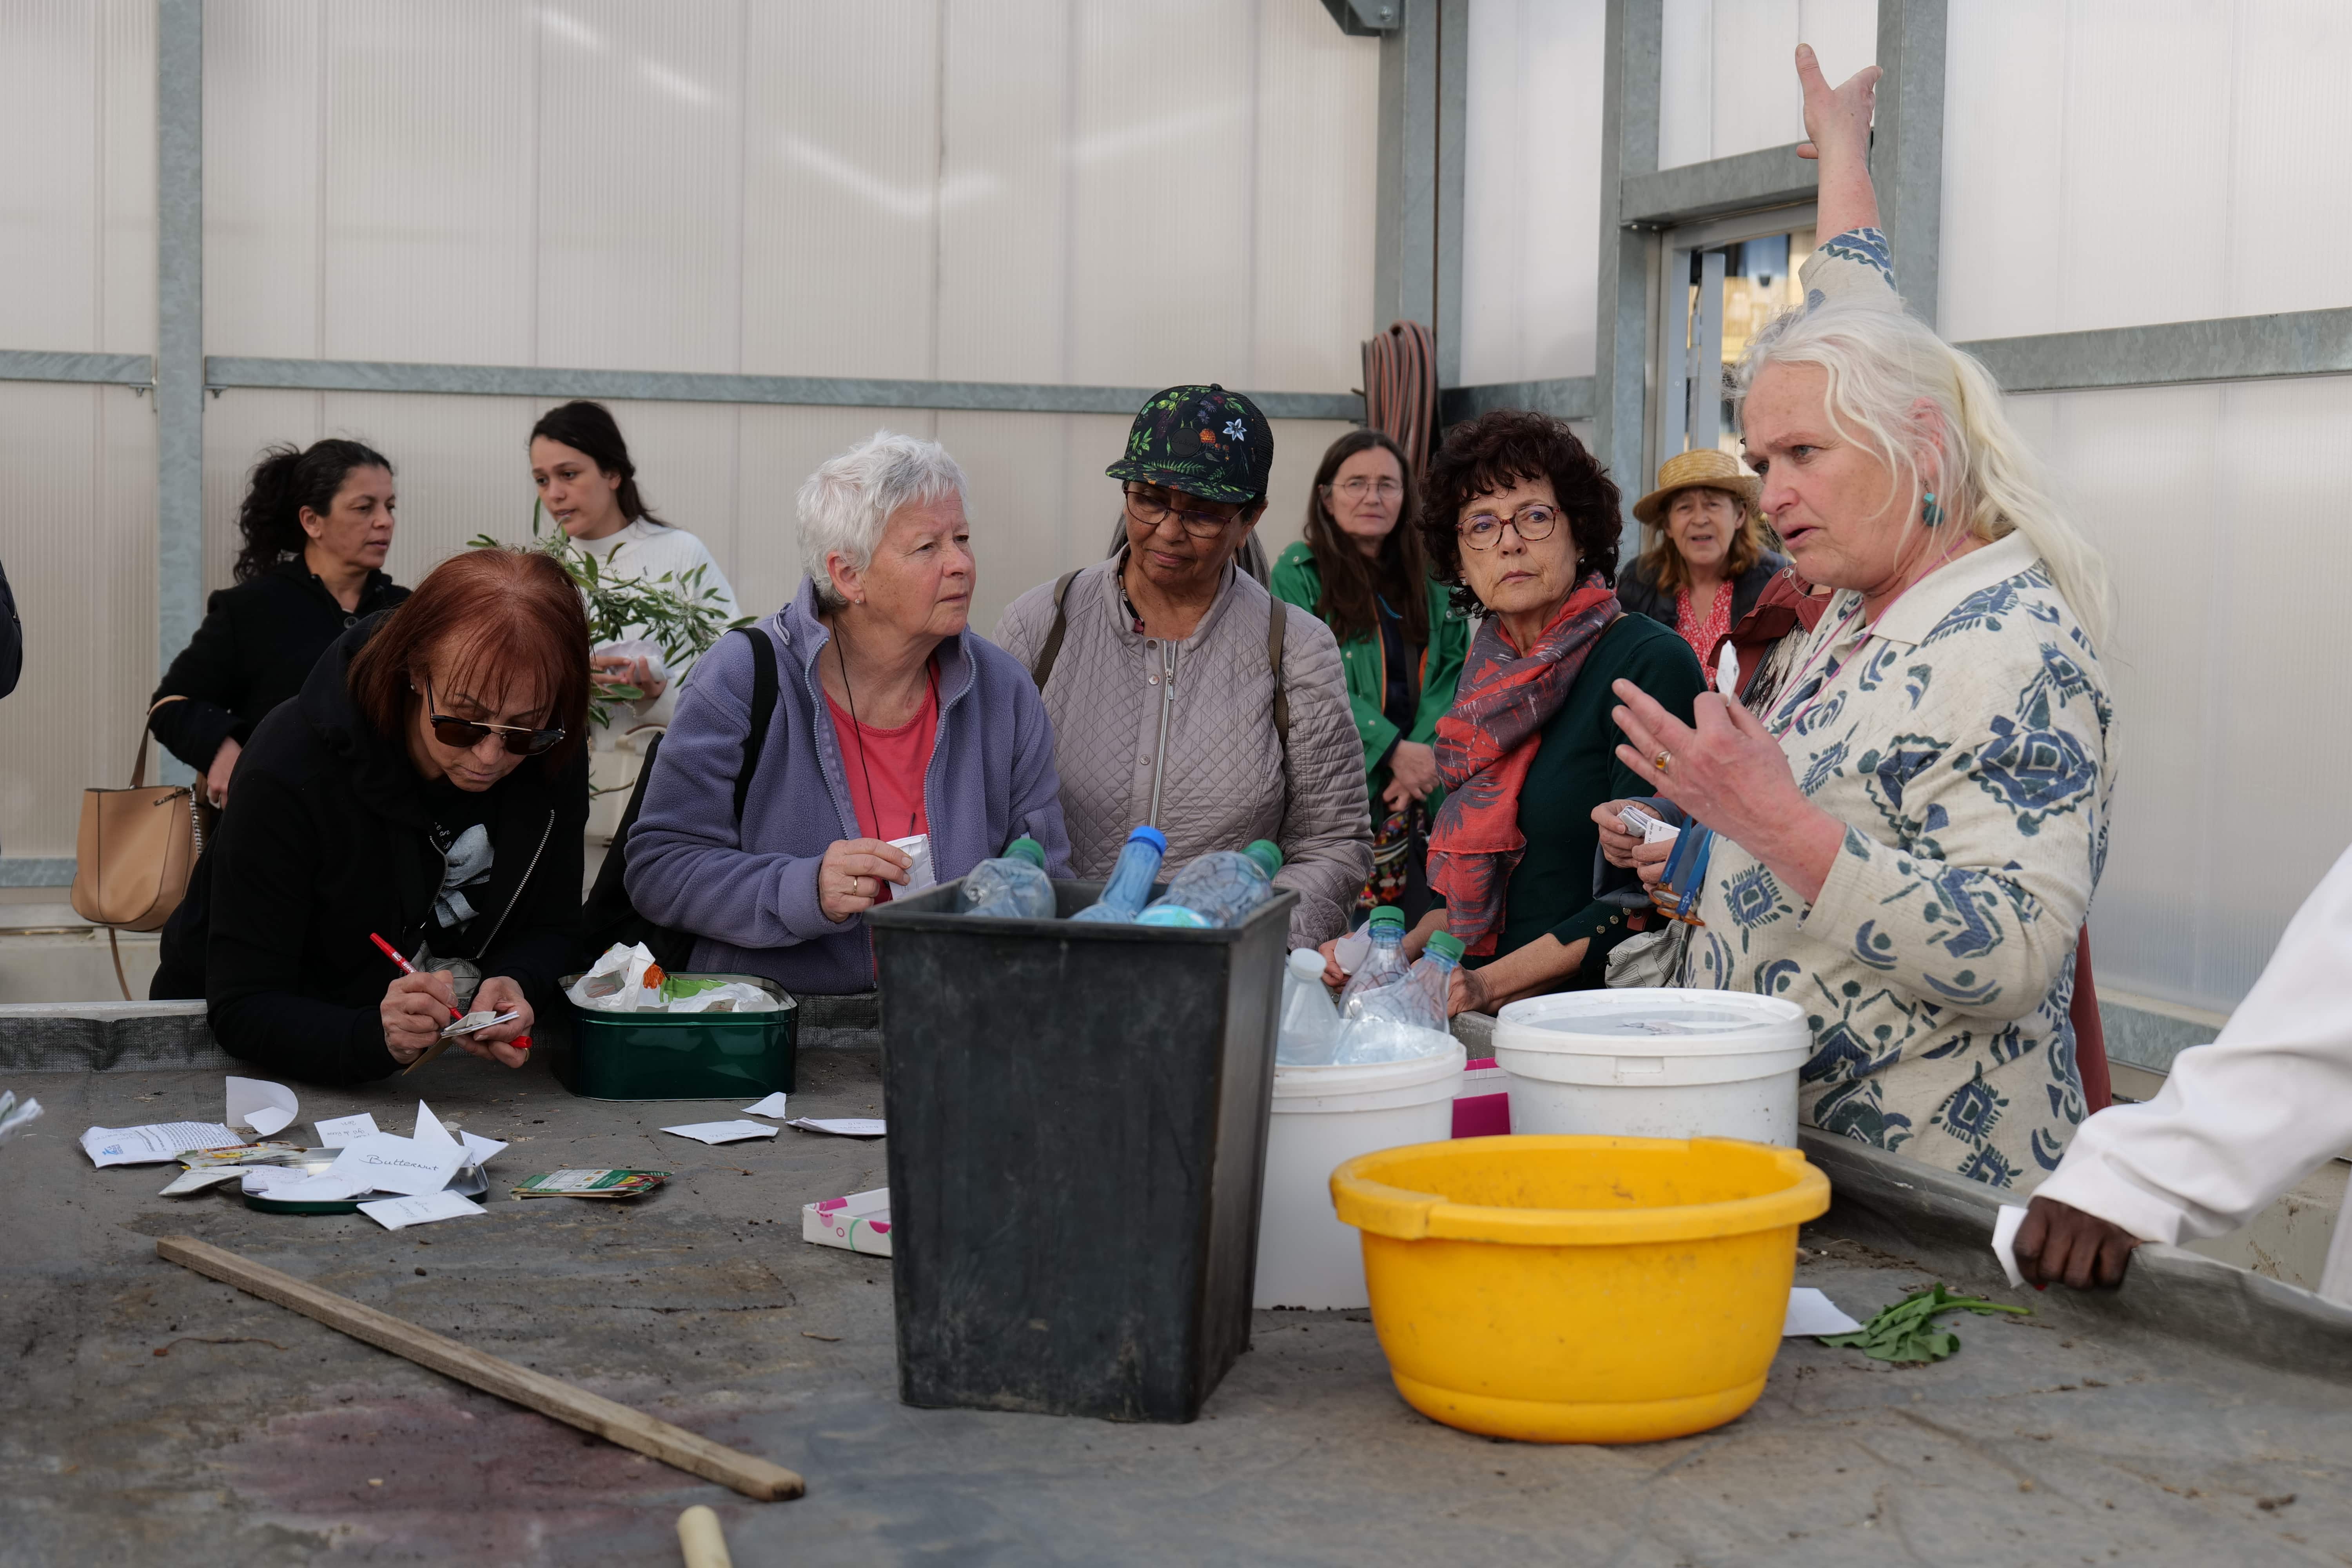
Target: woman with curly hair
316 524
1522 521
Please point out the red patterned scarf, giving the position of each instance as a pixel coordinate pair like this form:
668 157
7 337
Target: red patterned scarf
1484 747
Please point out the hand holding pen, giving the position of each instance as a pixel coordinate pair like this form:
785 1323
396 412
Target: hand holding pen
415 1004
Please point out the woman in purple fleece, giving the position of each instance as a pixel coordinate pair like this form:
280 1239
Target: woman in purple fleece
892 719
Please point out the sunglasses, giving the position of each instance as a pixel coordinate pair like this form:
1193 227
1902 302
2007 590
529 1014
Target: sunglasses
465 734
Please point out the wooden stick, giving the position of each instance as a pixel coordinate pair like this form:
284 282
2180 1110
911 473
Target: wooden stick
700 1539
754 1478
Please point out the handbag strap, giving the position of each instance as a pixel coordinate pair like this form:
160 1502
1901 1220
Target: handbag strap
139 764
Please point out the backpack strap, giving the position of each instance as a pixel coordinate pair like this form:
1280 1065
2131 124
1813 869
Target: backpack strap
1276 624
763 705
1053 648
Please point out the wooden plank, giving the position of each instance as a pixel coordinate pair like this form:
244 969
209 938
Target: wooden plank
754 1478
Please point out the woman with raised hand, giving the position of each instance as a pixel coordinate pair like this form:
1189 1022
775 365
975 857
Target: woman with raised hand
427 786
316 524
1362 572
1906 837
588 484
892 718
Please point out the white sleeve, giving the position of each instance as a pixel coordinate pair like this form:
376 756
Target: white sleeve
2241 1120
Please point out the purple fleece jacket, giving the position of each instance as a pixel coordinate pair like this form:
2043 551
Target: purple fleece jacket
752 895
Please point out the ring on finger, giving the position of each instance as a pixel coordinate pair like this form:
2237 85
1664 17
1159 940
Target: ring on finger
1663 760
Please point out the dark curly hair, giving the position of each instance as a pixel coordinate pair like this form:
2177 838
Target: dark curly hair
1497 450
286 480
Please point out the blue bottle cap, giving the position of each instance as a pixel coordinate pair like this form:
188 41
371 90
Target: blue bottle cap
1149 835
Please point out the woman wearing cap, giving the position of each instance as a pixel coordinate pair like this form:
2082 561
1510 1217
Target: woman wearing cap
1184 695
1705 558
1362 572
427 786
889 720
1523 520
1905 839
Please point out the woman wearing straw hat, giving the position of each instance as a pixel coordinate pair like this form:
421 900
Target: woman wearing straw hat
1705 558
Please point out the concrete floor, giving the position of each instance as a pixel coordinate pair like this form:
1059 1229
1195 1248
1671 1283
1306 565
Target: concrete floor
262 1437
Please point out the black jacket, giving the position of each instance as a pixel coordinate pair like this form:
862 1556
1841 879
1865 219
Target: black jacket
1638 591
12 640
255 647
324 840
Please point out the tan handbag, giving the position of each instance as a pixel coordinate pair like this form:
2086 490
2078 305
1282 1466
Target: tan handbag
135 851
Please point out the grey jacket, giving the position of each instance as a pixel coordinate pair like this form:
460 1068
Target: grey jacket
1195 721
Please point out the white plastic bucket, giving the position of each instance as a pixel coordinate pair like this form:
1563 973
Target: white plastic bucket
1323 1116
1648 1063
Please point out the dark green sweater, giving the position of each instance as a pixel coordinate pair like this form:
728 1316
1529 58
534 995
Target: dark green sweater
1576 768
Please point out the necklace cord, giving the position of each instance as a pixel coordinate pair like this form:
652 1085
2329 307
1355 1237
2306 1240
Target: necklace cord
857 728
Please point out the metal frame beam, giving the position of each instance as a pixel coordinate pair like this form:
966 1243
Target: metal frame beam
223 372
1906 154
179 374
99 369
2224 347
1661 198
1629 151
1404 224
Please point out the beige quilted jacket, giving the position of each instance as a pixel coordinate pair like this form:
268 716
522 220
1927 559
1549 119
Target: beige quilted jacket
1222 774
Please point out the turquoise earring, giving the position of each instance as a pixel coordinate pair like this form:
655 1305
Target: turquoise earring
1929 512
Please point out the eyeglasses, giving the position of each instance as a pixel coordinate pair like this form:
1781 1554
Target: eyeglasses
465 734
1151 508
1355 490
1533 523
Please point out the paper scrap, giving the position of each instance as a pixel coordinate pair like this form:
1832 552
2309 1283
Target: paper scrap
471 1022
428 1127
480 1149
842 1126
15 1118
723 1131
398 1214
190 1182
1811 1312
259 1180
394 1165
260 1105
340 1130
772 1106
302 1187
2004 1242
155 1143
917 848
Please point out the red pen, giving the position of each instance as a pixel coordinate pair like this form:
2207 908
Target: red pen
521 1042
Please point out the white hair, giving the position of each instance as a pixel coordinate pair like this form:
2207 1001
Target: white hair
845 505
1880 363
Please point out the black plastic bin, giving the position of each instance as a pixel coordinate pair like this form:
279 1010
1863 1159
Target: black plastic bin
1078 1140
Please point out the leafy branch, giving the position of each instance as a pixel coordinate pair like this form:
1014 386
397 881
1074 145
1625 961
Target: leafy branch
674 610
1907 1331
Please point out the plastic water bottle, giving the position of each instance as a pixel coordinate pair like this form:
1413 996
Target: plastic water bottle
1310 1023
1015 887
1384 965
1129 888
1404 1020
1220 889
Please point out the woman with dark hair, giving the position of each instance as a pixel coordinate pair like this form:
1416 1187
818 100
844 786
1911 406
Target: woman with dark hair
316 525
429 786
1362 572
588 486
1523 522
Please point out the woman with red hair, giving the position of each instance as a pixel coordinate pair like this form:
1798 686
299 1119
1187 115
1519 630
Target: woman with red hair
427 786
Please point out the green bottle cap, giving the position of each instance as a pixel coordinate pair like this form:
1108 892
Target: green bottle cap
1027 849
1267 853
1388 914
1447 943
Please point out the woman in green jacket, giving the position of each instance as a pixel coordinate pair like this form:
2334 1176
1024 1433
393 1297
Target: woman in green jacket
1362 572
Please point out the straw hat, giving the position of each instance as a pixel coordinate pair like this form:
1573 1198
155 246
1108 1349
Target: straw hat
1705 466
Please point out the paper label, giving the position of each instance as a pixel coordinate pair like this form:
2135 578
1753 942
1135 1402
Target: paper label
153 1144
398 1214
842 1126
392 1165
338 1132
723 1131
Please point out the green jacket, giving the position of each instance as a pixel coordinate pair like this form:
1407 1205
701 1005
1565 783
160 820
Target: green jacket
1296 581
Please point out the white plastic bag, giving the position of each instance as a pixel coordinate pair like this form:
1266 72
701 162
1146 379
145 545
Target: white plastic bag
615 982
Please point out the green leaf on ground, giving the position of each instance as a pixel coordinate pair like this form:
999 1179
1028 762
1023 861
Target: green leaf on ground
1906 1332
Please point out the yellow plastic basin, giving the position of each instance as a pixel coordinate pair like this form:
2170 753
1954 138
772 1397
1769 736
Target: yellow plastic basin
1580 1290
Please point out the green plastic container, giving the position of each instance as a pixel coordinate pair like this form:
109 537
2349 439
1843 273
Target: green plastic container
680 1056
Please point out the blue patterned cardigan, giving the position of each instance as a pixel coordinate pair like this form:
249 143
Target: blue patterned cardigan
1965 740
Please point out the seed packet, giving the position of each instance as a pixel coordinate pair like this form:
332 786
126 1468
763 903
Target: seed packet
265 1154
591 1183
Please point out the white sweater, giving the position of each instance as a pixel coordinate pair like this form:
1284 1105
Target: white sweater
2241 1120
649 550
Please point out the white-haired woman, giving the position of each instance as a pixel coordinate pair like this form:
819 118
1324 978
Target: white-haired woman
891 720
1906 837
